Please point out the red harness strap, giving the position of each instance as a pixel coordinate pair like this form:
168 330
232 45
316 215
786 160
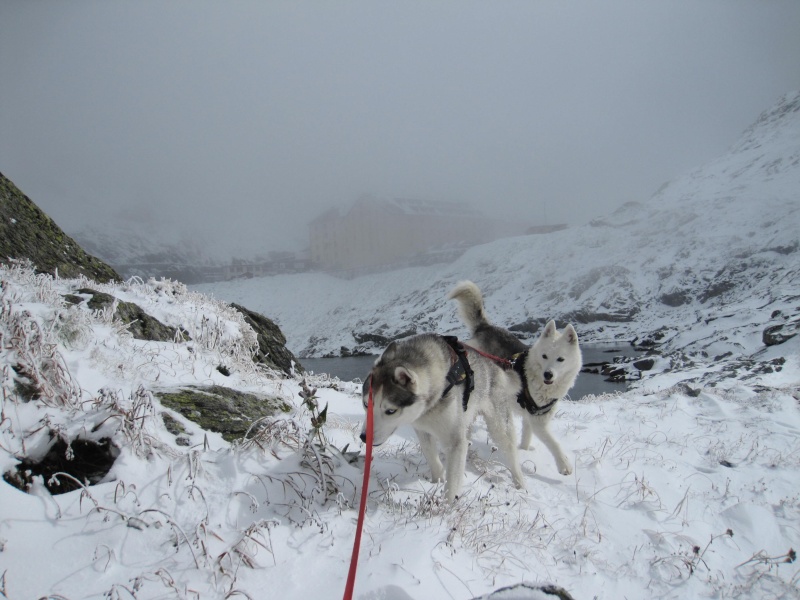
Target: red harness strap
503 362
351 576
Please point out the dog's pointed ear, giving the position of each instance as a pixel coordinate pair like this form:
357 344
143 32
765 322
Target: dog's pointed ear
549 329
388 354
572 335
405 378
367 384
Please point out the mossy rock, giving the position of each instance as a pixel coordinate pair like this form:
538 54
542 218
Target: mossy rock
27 232
223 410
141 325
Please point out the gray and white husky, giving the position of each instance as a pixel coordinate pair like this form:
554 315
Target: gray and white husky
421 381
548 369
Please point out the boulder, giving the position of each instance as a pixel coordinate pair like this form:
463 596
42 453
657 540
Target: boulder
527 591
778 334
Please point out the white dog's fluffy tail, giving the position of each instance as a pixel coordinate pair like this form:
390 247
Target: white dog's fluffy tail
470 304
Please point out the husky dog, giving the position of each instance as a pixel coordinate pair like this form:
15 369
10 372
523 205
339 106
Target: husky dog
438 386
547 369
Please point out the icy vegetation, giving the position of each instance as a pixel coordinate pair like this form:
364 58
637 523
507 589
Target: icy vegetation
684 487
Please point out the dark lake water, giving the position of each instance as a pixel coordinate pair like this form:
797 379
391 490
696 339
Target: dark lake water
357 367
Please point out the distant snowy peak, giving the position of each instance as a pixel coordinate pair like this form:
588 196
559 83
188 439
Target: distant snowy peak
781 122
766 157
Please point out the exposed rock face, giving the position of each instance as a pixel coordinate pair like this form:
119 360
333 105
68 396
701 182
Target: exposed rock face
778 334
27 232
675 298
271 342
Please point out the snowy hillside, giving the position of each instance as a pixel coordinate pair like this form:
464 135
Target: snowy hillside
720 245
680 493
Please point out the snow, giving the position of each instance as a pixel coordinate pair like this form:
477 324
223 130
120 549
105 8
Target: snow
684 487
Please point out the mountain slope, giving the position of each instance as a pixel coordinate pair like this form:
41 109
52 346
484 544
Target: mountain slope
703 267
27 233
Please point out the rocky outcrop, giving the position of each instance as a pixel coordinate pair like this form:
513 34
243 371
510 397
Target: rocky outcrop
272 350
675 298
775 335
140 325
28 233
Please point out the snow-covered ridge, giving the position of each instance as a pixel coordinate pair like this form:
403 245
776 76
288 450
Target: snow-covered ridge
702 268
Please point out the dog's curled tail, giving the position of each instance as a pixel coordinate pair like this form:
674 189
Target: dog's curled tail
470 304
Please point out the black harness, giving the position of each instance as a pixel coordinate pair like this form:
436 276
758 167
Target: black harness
460 372
524 398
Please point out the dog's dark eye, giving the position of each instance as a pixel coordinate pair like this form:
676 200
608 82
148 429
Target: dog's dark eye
544 356
391 411
560 359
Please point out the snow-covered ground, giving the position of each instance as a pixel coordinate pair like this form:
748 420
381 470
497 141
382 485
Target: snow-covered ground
684 487
662 478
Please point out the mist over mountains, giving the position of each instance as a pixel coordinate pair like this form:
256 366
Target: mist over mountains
704 267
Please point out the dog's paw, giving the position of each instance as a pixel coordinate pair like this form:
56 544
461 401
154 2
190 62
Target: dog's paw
564 467
437 476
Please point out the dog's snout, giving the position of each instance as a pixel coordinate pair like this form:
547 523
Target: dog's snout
548 375
363 437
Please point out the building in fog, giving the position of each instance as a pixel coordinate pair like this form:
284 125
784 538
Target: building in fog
385 233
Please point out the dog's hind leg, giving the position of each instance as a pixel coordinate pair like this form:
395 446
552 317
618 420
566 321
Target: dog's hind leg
540 426
430 451
525 438
502 432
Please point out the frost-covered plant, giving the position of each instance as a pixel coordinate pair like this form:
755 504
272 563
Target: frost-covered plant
73 326
134 415
318 417
690 561
32 349
268 433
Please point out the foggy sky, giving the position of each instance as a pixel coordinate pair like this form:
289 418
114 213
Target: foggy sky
245 120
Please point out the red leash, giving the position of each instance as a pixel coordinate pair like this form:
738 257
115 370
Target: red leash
351 576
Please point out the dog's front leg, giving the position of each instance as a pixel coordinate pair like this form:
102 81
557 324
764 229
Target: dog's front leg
539 426
456 463
430 451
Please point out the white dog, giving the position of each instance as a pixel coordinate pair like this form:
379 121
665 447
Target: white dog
547 369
